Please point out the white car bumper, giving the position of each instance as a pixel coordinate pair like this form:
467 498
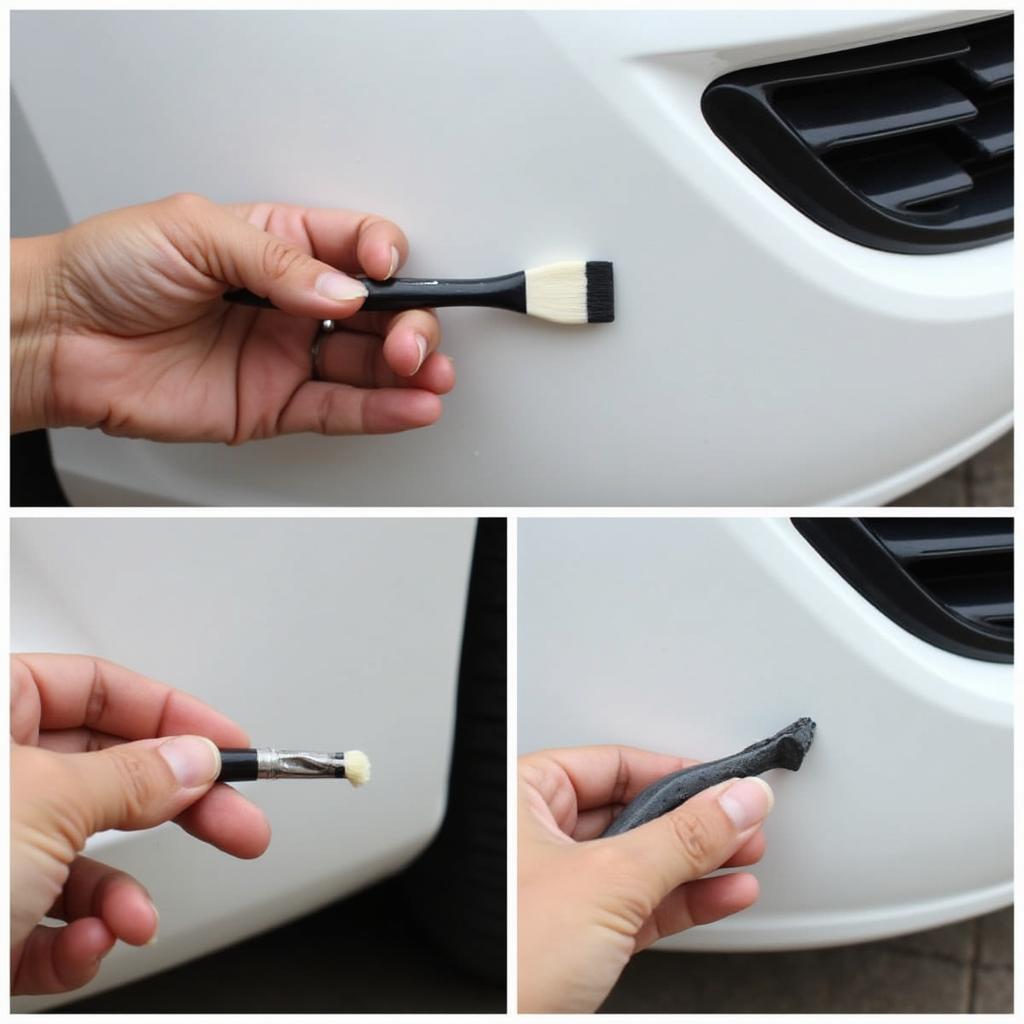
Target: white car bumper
697 637
756 357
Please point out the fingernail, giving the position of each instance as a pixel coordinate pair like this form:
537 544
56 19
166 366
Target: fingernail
747 802
395 257
156 914
194 760
421 344
339 287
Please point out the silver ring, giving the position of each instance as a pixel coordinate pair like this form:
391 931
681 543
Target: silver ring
322 328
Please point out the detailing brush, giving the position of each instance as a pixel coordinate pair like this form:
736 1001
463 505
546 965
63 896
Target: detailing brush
245 765
571 292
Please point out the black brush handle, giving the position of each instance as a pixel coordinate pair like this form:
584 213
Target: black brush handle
505 292
786 749
238 765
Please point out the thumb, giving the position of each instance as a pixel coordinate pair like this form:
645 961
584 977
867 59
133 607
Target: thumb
697 837
240 254
142 784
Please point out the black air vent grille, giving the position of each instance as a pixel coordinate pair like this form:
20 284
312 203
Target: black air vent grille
948 581
905 146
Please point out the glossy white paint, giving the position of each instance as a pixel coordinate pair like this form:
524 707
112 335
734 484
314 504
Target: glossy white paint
318 633
756 358
698 636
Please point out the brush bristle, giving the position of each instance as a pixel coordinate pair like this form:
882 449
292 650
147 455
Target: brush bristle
600 292
558 292
571 292
357 767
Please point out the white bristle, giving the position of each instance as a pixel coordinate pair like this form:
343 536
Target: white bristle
357 767
558 292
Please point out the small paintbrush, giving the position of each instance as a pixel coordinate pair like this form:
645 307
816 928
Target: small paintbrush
571 292
246 765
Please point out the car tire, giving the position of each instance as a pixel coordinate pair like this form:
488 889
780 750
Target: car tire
457 888
33 479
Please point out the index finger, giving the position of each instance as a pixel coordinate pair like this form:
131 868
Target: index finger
349 240
601 775
77 690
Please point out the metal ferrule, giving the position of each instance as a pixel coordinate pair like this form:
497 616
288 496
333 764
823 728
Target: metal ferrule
298 764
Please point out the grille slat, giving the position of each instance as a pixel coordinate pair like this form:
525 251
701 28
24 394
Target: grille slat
987 611
912 539
991 132
966 565
949 581
912 51
923 174
989 62
905 146
856 113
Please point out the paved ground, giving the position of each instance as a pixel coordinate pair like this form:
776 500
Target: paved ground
986 479
966 967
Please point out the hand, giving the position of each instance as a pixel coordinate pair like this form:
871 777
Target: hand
73 773
586 905
118 323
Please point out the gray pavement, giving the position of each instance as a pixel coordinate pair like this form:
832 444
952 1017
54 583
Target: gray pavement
984 480
961 968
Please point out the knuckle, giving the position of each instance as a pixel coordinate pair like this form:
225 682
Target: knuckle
279 258
322 419
186 203
184 219
96 705
22 685
134 781
530 773
693 838
621 779
328 415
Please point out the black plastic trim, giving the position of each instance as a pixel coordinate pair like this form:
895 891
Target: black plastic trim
905 146
885 569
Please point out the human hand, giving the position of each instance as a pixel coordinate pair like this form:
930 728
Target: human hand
118 323
75 772
586 905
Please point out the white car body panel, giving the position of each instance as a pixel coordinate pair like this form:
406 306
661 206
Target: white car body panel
698 637
315 633
756 358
